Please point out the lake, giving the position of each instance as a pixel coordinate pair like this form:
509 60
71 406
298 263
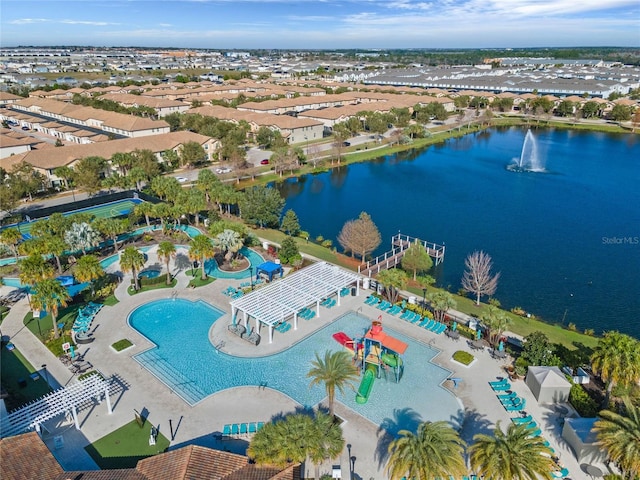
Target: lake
566 241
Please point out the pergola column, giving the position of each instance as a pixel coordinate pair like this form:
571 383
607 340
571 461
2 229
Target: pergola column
295 321
270 333
74 413
106 396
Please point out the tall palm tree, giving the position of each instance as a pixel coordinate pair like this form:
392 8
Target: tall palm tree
34 269
393 281
112 228
167 251
515 454
88 269
617 359
201 248
131 260
11 237
619 435
144 209
435 451
229 241
55 246
49 295
335 370
496 321
327 442
441 302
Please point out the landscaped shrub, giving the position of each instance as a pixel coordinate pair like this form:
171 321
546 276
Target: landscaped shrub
521 366
145 282
121 345
463 357
582 402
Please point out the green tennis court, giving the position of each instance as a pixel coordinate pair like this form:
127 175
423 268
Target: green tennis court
108 210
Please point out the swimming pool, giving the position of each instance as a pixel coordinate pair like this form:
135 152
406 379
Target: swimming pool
190 366
149 274
255 259
107 262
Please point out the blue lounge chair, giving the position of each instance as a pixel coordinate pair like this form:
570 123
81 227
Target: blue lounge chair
535 433
511 401
259 425
508 396
226 430
426 321
253 427
235 429
522 420
516 408
244 429
405 314
499 382
441 329
502 388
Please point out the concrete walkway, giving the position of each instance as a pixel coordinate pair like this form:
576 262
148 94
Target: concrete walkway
133 388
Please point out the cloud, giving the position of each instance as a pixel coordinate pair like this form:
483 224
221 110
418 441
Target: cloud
28 21
31 21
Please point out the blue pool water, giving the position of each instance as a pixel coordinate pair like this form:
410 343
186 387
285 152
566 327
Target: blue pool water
190 366
255 259
149 274
73 290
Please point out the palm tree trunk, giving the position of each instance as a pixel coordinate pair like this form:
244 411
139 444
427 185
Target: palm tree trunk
135 279
146 218
204 273
168 273
55 324
58 264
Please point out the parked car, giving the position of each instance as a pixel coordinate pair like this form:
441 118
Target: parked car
346 144
182 179
264 162
24 127
223 170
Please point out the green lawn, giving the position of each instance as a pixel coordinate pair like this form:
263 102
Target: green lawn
14 367
146 288
124 447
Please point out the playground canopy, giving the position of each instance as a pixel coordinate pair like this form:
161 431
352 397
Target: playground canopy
269 269
278 301
387 341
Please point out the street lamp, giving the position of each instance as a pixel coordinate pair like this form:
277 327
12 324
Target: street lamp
46 374
251 272
424 300
353 466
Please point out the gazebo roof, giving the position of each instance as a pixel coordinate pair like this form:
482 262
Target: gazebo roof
273 303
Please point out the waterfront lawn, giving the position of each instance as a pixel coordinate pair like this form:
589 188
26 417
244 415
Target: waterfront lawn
14 367
124 447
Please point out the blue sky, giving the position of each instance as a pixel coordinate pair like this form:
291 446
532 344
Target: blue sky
225 24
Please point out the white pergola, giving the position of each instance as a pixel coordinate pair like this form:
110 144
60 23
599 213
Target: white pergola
62 401
284 298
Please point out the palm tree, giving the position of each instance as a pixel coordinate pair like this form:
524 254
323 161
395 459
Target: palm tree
34 269
55 246
335 371
131 260
496 321
11 237
229 241
112 228
167 251
88 269
435 451
49 295
327 441
144 209
441 302
619 435
393 281
617 359
201 249
515 454
82 236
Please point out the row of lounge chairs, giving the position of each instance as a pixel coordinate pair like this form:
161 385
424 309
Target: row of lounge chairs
233 292
86 314
241 429
408 315
345 291
306 313
283 327
328 302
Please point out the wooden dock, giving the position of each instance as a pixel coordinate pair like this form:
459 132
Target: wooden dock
400 243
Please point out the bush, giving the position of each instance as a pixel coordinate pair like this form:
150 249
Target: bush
582 402
121 345
146 282
521 366
463 357
327 243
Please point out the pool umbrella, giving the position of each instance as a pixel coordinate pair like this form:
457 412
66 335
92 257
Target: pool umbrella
478 334
500 346
454 325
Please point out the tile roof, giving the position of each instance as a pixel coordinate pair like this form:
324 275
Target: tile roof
27 457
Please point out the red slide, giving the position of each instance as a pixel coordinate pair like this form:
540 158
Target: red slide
345 340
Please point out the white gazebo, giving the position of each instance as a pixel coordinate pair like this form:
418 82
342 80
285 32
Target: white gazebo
579 434
548 384
65 400
283 299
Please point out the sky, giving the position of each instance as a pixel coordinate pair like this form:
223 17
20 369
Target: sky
321 24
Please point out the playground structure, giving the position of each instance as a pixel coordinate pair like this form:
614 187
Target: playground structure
377 354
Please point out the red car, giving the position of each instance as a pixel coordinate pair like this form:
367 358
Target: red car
264 162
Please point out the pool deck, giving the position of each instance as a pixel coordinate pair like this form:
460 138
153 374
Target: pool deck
134 388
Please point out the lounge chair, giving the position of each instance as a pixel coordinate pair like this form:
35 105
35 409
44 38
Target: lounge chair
440 328
499 382
226 430
507 396
522 420
425 323
417 318
235 429
259 425
244 429
535 433
405 314
516 408
502 388
253 427
509 402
